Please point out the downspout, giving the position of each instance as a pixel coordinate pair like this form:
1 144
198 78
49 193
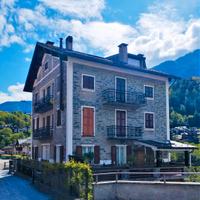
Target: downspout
61 77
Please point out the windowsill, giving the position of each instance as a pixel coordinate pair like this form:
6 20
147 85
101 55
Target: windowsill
149 98
87 136
149 129
88 90
60 126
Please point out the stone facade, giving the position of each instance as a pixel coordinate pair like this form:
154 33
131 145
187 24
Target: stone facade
104 115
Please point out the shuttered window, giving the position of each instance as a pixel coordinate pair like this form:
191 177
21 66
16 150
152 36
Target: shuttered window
88 121
149 120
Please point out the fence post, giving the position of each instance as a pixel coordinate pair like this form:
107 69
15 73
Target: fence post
116 177
86 185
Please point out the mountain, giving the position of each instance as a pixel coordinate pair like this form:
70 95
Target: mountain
12 106
186 66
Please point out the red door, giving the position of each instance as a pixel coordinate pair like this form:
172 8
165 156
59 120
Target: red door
121 123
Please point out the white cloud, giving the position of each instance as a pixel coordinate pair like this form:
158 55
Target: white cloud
77 8
160 33
28 59
15 93
7 30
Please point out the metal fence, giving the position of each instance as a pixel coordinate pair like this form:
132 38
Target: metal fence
145 176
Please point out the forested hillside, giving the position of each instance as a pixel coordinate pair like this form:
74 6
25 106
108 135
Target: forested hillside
13 126
185 103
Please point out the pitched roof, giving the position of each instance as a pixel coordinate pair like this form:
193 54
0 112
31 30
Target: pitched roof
41 49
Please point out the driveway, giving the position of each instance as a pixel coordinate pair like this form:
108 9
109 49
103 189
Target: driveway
16 188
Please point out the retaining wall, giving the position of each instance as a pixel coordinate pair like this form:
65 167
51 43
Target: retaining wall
143 190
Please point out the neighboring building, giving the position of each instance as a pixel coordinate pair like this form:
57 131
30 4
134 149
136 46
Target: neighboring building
23 146
113 109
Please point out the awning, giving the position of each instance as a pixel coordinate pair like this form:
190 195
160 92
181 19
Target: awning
167 146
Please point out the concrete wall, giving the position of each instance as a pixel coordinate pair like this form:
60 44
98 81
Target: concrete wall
140 190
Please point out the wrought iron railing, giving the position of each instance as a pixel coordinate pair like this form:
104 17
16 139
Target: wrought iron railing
112 96
124 132
44 104
43 133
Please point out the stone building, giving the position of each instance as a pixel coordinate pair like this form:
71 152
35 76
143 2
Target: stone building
110 110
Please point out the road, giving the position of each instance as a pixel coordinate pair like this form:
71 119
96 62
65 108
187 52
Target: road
16 188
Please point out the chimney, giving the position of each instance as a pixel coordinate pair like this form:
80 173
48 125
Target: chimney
49 43
142 61
69 43
123 53
61 43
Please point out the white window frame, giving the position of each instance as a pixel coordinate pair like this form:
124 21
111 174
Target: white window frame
85 89
152 86
149 129
120 77
49 146
87 145
125 146
93 107
116 119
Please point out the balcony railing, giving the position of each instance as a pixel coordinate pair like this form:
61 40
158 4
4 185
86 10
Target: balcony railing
118 97
43 133
124 132
44 104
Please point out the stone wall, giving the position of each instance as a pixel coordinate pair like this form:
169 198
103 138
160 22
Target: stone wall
126 190
105 116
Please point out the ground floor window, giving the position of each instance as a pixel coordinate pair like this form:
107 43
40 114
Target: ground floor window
45 151
88 153
58 153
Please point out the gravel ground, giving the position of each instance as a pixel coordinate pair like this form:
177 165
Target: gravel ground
16 188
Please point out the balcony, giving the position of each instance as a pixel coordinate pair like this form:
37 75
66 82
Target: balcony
124 132
44 104
114 97
43 133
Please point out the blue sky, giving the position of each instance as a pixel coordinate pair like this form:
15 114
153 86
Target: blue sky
161 30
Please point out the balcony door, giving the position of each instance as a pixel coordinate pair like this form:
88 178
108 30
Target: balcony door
120 89
120 123
121 154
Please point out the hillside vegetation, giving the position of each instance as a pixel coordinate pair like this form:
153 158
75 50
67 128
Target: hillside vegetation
13 126
185 103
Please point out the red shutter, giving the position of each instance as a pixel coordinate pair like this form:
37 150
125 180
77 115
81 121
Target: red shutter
88 122
54 155
61 154
79 151
96 155
113 154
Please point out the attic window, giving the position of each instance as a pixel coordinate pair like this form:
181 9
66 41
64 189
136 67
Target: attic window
46 66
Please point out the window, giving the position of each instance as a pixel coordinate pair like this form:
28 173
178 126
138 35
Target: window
45 152
46 66
38 123
58 117
48 91
149 92
87 149
88 121
36 97
149 120
88 82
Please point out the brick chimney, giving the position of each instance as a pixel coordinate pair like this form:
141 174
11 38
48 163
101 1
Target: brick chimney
123 53
69 43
